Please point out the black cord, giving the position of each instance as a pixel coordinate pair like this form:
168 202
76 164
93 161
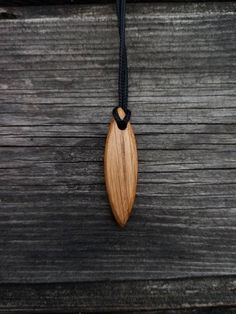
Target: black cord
123 69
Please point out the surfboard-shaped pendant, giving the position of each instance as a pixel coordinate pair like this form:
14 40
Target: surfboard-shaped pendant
121 169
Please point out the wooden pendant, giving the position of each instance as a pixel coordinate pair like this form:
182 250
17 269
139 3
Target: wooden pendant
121 169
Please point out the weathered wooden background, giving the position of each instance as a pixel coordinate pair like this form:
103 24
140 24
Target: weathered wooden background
60 248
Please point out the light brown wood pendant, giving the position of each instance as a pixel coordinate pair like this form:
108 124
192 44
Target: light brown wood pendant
121 169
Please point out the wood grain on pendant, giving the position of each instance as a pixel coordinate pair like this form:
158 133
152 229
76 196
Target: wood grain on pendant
121 169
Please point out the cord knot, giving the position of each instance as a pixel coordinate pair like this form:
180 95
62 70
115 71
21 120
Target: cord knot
121 122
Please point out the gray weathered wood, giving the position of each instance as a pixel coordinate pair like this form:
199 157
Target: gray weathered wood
7 3
121 296
58 85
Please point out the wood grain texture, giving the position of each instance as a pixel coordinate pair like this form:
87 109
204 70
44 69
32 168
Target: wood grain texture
193 296
7 3
121 169
58 85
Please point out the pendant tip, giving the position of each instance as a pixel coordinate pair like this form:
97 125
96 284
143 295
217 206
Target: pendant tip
122 222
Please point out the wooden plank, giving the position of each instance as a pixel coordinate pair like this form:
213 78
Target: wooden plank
58 85
208 310
12 3
131 296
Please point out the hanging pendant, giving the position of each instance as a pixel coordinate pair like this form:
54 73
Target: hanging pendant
121 169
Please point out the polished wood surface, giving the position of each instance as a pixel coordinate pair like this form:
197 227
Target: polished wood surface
121 169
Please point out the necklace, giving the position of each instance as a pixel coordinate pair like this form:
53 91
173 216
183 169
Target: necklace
120 157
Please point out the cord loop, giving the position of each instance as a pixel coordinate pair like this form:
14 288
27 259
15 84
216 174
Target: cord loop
121 123
123 69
